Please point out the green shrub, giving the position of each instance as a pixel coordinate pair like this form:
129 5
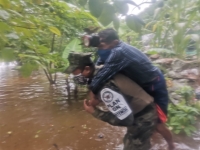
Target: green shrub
187 93
182 118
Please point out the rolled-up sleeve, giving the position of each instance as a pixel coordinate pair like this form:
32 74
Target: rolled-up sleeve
115 63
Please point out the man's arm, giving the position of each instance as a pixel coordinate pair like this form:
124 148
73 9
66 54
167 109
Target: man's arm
113 64
112 119
108 116
93 99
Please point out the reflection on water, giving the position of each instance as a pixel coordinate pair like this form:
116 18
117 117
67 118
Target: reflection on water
37 116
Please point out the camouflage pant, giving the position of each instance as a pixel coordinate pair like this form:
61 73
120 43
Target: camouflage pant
138 136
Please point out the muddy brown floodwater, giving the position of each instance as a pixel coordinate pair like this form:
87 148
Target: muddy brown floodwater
37 116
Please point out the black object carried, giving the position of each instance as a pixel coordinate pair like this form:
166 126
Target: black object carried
91 40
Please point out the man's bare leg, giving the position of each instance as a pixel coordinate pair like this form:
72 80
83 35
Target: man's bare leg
167 135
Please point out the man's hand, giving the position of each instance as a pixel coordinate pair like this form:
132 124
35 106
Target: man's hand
94 102
92 96
88 107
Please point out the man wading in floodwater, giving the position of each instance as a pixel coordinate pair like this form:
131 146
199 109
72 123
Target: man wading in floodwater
119 57
126 103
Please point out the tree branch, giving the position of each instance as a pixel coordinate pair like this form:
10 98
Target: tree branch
145 3
52 43
61 40
52 49
55 77
138 6
47 75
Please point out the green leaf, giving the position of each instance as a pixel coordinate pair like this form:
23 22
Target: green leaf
187 131
23 31
116 22
191 128
134 23
7 55
28 68
177 131
95 7
5 3
121 7
15 12
74 45
55 30
43 50
32 57
107 15
175 124
4 27
40 64
173 119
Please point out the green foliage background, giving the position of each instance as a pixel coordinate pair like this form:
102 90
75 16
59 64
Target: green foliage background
35 33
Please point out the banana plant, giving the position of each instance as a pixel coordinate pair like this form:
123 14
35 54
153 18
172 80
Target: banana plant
174 26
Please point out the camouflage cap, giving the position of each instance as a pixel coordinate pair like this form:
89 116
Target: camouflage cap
77 60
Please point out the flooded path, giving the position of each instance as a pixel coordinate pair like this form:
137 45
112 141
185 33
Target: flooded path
37 116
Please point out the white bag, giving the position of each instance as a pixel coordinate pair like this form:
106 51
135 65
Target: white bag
115 103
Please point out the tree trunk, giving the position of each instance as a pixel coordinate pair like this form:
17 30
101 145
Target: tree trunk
49 77
76 92
68 87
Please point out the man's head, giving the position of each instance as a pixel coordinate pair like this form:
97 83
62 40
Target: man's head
108 39
80 65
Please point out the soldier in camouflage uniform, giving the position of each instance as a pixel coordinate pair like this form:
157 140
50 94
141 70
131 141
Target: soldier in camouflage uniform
126 103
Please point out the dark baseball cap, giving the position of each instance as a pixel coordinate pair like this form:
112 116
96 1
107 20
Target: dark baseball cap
77 60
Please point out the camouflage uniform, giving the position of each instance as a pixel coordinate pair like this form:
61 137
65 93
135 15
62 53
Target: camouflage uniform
140 124
77 60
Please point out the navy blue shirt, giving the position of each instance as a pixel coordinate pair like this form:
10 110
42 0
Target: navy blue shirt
127 60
